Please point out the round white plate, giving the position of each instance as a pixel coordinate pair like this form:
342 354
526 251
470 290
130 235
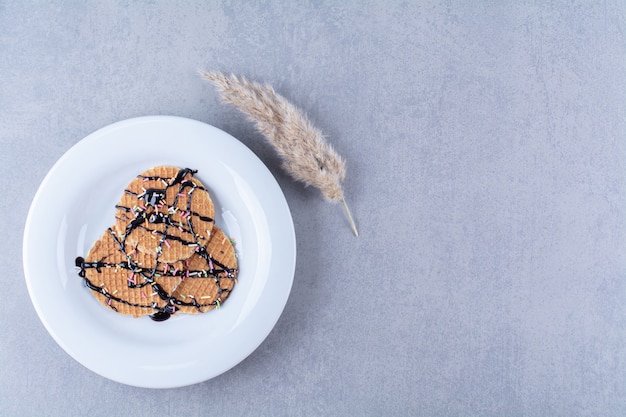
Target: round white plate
75 204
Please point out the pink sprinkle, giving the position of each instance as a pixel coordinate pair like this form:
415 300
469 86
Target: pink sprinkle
146 179
166 243
187 274
165 268
109 301
143 295
143 208
210 263
131 281
175 271
181 194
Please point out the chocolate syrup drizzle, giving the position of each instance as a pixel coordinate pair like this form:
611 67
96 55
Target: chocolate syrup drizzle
146 277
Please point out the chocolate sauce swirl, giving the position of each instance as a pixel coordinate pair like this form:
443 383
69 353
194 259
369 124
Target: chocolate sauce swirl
147 277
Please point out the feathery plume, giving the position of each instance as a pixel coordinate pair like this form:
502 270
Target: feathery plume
305 154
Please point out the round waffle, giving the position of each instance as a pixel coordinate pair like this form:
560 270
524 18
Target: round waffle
128 281
211 274
166 212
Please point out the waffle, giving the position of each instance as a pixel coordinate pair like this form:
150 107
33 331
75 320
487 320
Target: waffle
165 212
129 282
212 273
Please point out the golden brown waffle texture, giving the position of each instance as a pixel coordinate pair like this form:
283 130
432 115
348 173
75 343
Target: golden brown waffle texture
164 254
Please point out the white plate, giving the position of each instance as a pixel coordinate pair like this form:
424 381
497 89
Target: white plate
75 204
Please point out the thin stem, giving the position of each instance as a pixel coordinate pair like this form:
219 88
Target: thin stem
352 224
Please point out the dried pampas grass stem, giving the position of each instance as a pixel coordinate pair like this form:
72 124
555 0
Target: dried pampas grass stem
306 155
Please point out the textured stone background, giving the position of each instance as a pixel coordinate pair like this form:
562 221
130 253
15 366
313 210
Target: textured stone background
486 149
